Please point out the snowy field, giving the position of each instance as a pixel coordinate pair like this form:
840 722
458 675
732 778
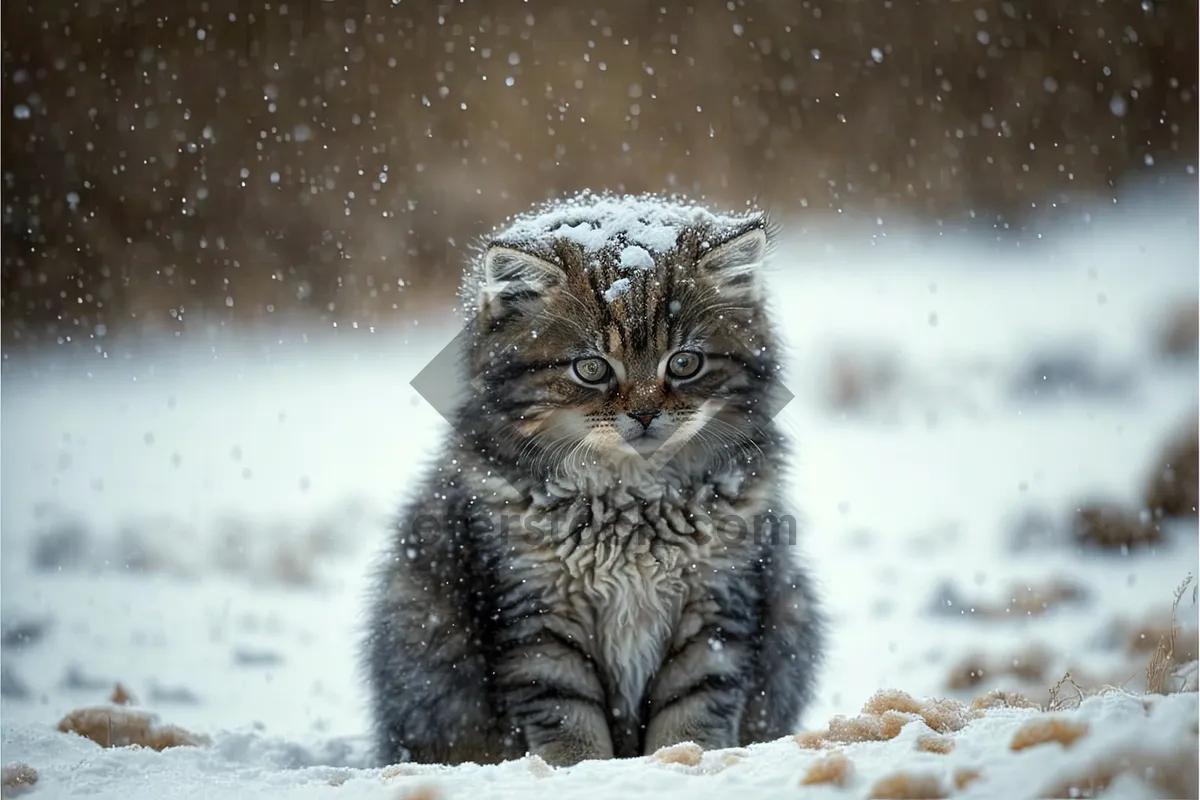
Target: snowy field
193 518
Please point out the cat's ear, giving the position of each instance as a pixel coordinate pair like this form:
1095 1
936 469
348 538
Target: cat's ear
515 282
735 264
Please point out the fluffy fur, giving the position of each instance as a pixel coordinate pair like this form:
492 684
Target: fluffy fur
601 563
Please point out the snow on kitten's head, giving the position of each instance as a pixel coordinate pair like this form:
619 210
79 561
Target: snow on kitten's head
623 329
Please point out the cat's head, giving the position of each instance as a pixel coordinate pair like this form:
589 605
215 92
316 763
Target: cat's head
623 330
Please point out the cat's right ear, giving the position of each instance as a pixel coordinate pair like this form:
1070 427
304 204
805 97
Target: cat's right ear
515 283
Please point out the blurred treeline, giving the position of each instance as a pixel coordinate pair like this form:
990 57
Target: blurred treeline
169 162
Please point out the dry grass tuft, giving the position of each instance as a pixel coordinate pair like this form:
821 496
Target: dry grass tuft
1021 599
1060 698
1072 688
1174 775
858 381
1172 488
998 698
1035 600
1141 640
1044 731
834 768
889 710
971 671
1109 526
943 716
1178 338
908 786
965 777
886 700
687 753
933 743
1028 664
423 792
122 696
1012 681
811 740
17 779
867 728
1166 656
119 727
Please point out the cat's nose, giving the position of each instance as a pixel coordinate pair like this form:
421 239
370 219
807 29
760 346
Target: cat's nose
645 416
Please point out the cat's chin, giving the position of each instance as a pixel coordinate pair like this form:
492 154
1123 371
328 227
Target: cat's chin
645 445
651 451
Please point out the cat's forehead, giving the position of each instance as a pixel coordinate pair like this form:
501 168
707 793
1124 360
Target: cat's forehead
629 273
631 232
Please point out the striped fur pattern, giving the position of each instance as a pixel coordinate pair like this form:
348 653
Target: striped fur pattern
568 580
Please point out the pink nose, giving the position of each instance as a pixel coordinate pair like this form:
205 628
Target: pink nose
645 417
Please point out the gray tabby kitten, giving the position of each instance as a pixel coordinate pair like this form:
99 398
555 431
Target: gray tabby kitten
601 562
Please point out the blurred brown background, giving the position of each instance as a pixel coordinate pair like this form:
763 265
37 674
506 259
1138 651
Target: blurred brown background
173 162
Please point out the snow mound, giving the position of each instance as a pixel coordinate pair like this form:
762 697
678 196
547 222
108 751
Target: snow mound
112 726
618 288
600 221
634 257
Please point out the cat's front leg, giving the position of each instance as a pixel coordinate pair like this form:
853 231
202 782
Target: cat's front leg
699 694
551 692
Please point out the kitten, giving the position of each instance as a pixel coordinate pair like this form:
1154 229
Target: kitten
602 563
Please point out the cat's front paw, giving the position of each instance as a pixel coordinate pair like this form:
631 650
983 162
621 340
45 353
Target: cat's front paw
569 752
691 734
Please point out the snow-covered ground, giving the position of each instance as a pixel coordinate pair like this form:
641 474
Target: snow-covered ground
194 518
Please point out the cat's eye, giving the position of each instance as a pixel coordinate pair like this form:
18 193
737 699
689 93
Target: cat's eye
685 364
592 370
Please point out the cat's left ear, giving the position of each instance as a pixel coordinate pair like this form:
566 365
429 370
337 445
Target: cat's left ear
515 283
735 264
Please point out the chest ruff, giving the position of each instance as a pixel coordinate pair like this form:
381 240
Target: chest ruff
626 578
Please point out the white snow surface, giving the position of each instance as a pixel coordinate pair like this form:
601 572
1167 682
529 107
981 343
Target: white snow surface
618 288
195 518
634 257
597 221
1121 727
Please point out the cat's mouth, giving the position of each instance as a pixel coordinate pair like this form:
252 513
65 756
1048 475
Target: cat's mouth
646 442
